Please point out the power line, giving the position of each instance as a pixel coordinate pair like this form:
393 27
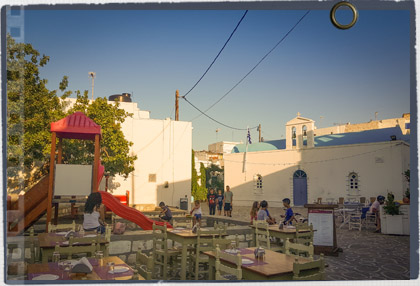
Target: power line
262 59
235 128
243 16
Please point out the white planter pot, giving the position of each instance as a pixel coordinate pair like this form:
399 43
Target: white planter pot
394 224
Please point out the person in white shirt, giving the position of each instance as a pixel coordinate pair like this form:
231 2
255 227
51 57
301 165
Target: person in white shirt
196 212
91 216
374 208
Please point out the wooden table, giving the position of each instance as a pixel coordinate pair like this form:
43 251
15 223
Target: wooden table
283 234
185 237
274 266
98 272
47 242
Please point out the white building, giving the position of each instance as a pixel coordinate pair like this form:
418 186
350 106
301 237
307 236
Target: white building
222 147
304 167
163 166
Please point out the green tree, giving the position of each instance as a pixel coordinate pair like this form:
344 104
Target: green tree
31 107
194 178
215 182
114 147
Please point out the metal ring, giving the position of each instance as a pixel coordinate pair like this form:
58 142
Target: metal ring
334 20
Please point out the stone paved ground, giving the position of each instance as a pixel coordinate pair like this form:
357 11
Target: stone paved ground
366 255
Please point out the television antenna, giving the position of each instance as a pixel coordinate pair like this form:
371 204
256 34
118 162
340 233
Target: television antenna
92 75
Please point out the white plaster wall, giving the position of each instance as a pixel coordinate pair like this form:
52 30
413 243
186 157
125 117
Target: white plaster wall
327 169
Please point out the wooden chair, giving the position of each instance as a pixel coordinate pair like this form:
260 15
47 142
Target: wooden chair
362 200
319 201
225 243
76 247
161 253
68 226
186 224
220 226
262 236
372 200
313 270
355 220
144 265
235 259
304 237
35 250
341 201
298 249
205 242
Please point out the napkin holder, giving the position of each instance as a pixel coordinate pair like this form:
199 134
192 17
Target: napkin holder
259 253
82 266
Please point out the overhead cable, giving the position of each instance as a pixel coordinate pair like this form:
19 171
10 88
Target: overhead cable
225 125
262 59
243 16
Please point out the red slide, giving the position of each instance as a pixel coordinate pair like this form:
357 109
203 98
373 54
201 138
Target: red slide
128 213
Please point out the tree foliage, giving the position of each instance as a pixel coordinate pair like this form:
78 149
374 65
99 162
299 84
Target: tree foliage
215 182
197 191
31 108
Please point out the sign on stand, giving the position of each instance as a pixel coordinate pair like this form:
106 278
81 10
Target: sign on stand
322 218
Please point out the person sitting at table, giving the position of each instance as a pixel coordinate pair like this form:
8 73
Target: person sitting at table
254 211
166 213
91 216
263 213
289 216
196 212
374 208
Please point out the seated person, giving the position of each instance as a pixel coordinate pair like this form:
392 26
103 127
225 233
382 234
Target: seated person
166 213
289 216
263 213
374 208
91 216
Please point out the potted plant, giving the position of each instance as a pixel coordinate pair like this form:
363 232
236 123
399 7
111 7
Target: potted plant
392 218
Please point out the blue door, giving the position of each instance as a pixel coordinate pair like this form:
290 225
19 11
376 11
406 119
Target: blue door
300 191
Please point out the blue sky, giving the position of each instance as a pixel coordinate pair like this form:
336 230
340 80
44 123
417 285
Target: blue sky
319 70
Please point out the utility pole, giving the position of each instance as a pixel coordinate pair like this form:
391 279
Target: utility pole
92 75
259 133
177 105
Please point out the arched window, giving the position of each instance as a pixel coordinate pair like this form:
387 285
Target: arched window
353 181
294 136
299 174
258 183
305 138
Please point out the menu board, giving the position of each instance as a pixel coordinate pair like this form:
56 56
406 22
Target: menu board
323 224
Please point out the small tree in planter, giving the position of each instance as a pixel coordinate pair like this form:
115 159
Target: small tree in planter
406 199
390 207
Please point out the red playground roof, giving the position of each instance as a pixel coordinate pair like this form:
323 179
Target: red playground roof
76 126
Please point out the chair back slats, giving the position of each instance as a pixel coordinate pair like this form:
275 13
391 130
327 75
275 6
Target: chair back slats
144 265
262 233
299 249
186 224
313 270
75 247
221 268
304 233
68 226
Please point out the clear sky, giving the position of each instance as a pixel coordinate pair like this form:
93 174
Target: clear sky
319 70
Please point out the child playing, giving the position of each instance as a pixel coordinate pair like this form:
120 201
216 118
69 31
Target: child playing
196 211
289 216
91 216
263 213
166 213
219 199
254 211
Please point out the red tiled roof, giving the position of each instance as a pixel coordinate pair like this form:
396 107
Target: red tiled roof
76 126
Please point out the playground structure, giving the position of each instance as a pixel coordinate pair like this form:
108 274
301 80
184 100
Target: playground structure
40 198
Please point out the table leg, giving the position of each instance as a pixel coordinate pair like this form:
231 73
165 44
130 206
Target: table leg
184 262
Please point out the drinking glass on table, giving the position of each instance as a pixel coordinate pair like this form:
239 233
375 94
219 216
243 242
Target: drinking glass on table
100 257
111 267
